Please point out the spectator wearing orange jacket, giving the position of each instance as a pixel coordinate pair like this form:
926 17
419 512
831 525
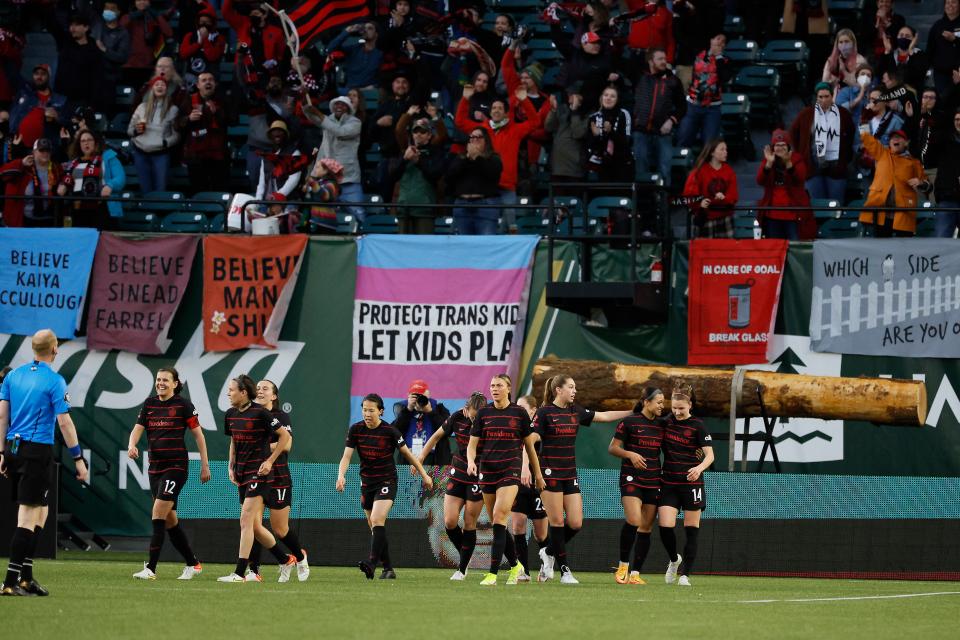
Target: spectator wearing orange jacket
897 179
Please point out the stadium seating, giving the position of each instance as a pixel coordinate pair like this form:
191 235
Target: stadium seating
380 223
762 86
184 222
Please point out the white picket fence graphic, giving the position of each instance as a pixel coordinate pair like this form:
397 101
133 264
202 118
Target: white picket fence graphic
854 310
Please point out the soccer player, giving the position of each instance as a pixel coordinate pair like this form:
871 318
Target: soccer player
280 496
502 429
33 398
166 417
556 425
637 441
528 506
683 483
375 440
249 427
463 491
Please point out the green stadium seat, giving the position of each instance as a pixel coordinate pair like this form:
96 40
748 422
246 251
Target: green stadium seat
165 201
217 223
742 53
791 58
743 224
183 222
839 228
762 86
380 223
734 26
443 226
346 223
532 225
210 201
138 221
124 96
601 206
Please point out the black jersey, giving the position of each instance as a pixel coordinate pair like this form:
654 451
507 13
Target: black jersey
501 433
558 428
640 434
458 426
681 439
375 446
281 472
250 430
166 422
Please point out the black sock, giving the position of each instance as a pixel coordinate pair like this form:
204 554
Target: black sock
496 550
156 543
542 544
241 567
26 572
278 554
19 546
689 551
628 533
456 536
255 550
292 542
385 556
178 538
523 551
378 539
569 532
558 547
509 549
669 539
641 550
466 549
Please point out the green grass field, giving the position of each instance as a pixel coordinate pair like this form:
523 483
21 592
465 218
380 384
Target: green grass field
97 598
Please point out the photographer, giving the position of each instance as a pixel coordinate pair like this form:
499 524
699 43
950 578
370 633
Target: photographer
419 169
418 420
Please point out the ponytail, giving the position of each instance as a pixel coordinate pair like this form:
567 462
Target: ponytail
550 386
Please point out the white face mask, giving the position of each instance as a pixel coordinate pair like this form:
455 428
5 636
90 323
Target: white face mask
863 80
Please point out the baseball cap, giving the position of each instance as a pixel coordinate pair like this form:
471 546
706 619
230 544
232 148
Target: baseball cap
42 144
418 386
589 38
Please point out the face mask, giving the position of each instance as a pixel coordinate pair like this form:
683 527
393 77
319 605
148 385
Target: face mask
863 80
904 43
109 16
845 48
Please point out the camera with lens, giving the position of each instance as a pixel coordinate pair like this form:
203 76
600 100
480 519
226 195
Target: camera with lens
90 186
422 400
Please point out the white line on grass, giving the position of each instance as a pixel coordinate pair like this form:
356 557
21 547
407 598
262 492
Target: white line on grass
887 597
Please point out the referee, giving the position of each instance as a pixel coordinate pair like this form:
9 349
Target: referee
32 399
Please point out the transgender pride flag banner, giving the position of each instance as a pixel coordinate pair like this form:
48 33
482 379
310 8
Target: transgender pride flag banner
449 310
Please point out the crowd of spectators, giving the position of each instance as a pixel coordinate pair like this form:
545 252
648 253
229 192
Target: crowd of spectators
430 102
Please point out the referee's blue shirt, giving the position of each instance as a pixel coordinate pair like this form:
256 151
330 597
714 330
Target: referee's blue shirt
37 395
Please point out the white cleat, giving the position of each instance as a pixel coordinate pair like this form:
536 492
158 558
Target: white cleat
286 568
546 565
458 577
566 577
146 574
232 578
684 581
190 572
671 575
523 577
252 576
303 567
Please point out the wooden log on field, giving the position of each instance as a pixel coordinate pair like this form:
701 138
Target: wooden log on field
613 386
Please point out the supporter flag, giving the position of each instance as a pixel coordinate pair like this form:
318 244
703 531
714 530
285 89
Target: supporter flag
742 278
313 17
137 288
449 310
247 286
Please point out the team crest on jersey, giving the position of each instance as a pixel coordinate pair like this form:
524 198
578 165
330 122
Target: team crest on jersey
514 423
172 411
688 432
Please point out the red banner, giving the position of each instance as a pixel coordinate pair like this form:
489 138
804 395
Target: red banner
732 299
247 285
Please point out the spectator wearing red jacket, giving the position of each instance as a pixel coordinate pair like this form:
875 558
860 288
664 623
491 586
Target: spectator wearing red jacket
33 175
148 31
530 77
261 47
203 48
205 137
782 174
712 187
654 31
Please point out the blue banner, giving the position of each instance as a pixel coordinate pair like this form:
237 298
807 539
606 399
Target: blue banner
43 279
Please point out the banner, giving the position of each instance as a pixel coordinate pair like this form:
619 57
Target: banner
733 292
444 309
247 286
896 297
43 279
136 289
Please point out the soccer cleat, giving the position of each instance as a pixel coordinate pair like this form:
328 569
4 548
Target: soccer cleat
489 580
514 574
367 568
546 565
684 581
234 578
303 567
15 590
146 574
523 577
566 577
286 568
458 577
636 579
33 587
671 575
388 574
190 572
253 576
621 575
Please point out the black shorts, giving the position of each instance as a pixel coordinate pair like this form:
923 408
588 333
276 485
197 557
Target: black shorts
505 481
646 495
490 481
685 497
379 491
166 485
567 487
30 471
464 491
259 487
528 503
278 497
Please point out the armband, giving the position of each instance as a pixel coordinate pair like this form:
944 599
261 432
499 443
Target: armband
76 452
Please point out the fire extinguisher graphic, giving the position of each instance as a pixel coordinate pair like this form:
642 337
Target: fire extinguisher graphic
656 270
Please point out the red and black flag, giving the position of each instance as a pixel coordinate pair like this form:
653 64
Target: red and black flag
313 17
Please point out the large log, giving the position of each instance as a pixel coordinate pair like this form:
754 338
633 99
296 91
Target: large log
612 386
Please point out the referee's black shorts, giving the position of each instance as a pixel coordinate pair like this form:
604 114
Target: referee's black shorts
30 470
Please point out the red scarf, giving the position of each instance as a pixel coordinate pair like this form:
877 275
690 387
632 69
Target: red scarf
92 170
